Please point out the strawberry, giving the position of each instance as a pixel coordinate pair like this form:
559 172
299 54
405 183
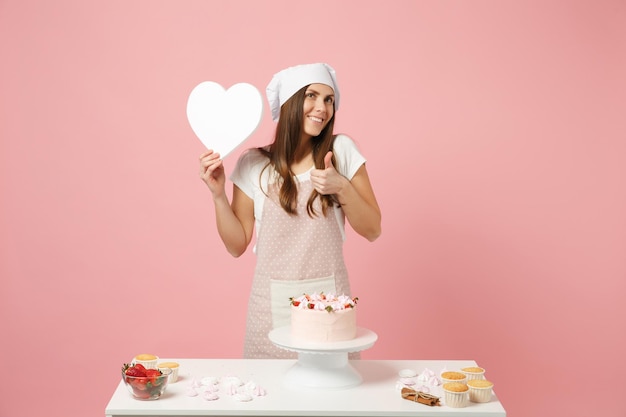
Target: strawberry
295 303
136 370
153 375
139 383
139 366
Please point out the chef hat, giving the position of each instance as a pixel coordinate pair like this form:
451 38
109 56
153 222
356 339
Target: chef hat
287 82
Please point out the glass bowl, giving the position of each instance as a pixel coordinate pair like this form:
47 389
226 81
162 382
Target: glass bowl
149 387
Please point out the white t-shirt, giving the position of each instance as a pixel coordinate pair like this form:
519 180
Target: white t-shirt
247 174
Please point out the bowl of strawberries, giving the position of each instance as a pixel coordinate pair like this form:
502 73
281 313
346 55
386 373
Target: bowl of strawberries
144 384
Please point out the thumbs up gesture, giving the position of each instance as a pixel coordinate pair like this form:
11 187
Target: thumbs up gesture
328 180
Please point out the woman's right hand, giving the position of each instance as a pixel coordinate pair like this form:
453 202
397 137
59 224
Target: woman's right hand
212 172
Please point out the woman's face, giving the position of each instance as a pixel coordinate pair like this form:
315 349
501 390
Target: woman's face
319 107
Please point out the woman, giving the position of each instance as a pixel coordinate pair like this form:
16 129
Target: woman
295 193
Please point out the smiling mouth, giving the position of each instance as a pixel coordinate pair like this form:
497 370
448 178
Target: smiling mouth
316 119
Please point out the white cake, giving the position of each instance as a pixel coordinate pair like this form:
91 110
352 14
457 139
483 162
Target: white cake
323 318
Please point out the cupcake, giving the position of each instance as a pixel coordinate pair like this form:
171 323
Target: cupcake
453 376
480 390
173 366
147 360
473 372
455 394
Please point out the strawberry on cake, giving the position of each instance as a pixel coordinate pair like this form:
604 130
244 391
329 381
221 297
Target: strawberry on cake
323 318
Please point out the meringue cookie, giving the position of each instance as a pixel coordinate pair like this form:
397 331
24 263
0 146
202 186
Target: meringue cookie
244 397
191 392
210 396
231 389
211 388
232 380
425 375
434 381
258 391
407 381
249 386
407 373
209 380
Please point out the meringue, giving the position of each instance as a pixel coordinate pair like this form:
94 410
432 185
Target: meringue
407 373
210 396
244 397
209 380
407 381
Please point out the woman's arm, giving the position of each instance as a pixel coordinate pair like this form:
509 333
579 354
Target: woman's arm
356 197
359 203
235 222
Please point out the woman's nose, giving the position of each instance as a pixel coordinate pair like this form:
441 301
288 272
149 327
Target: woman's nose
320 105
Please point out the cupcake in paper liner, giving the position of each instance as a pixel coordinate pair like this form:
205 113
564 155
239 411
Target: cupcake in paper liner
453 376
480 390
474 372
148 360
455 394
173 366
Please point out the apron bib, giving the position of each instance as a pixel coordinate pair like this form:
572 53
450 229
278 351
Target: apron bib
295 255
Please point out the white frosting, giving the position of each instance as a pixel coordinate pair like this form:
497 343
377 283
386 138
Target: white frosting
322 325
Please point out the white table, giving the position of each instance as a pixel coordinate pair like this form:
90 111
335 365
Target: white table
377 395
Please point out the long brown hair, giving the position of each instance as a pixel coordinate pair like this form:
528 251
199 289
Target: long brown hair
282 153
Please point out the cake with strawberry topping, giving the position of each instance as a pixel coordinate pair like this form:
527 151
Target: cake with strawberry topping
323 318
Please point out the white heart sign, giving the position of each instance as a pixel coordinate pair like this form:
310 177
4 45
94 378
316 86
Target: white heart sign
224 119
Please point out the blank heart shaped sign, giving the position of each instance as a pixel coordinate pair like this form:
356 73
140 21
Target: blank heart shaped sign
224 119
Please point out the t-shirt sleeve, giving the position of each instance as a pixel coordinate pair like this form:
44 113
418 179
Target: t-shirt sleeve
246 171
348 157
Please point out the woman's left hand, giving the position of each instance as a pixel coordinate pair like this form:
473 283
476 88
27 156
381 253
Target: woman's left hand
328 181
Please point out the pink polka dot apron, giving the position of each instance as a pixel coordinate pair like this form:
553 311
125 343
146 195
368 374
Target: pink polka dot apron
295 255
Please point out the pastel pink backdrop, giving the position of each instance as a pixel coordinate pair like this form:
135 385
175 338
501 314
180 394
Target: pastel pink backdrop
494 133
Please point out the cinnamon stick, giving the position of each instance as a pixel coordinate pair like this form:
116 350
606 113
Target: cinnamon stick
420 397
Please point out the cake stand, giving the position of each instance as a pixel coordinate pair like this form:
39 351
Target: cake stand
323 366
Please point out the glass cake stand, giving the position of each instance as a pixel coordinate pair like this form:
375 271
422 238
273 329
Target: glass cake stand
326 365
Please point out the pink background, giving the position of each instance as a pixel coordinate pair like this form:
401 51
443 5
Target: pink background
495 138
